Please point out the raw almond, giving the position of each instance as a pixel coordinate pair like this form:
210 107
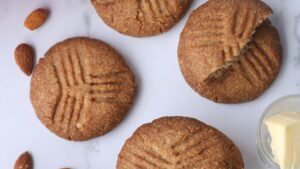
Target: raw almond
36 19
24 56
24 161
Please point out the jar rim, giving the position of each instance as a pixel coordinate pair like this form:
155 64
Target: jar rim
266 156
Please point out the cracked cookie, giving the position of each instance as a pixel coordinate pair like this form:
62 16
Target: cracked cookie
179 143
229 52
82 89
141 18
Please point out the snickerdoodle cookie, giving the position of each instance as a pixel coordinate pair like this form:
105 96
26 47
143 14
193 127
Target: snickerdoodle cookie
229 52
82 88
141 17
179 143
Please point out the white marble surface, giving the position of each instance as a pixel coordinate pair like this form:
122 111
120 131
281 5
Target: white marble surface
163 90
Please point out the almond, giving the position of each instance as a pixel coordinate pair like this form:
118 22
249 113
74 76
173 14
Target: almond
36 19
24 161
24 56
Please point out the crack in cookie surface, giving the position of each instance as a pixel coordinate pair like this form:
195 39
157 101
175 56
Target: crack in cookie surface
223 40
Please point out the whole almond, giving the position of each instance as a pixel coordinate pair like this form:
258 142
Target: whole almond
36 19
24 161
24 56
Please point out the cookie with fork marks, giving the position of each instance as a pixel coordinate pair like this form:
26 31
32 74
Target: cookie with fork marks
82 89
179 143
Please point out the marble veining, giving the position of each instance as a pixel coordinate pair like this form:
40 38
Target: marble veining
87 21
297 36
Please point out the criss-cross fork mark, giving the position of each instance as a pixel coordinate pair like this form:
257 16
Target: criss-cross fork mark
243 22
229 37
184 152
256 65
110 87
70 111
241 26
154 10
197 149
192 150
209 32
230 51
145 156
78 88
191 146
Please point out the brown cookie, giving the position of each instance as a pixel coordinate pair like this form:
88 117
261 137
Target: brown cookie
179 143
232 55
82 88
141 17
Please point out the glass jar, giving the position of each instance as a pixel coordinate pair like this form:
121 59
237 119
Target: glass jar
289 103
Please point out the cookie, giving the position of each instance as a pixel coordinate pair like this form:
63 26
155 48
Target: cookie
229 52
141 18
179 143
82 88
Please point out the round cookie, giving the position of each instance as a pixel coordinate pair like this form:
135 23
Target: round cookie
230 56
179 143
141 18
82 88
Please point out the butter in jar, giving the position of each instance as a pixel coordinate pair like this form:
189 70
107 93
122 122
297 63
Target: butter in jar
284 129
